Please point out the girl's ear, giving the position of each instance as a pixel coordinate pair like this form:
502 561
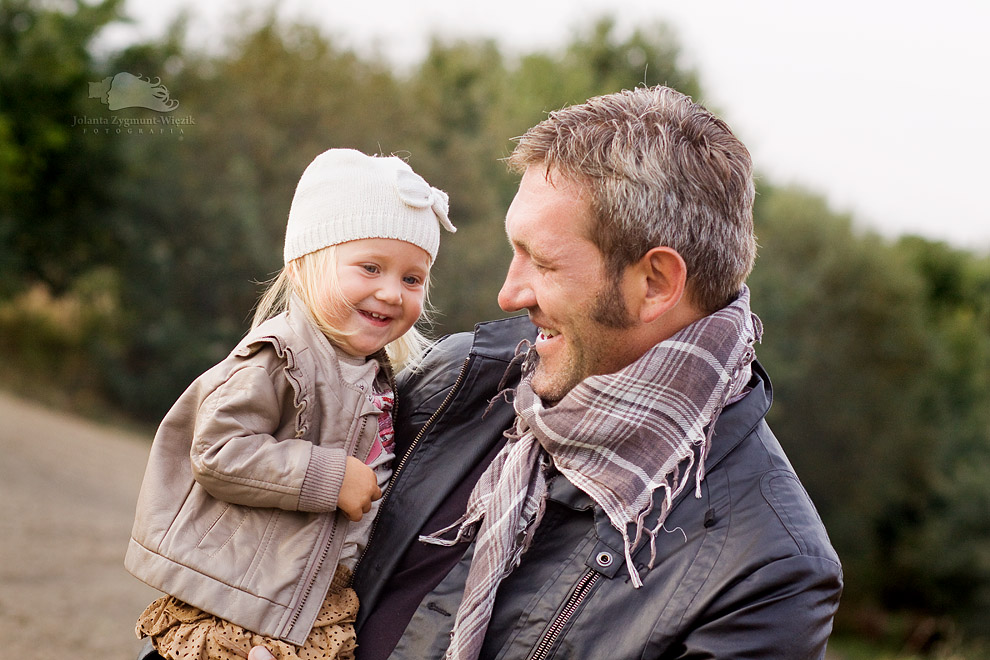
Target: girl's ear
662 276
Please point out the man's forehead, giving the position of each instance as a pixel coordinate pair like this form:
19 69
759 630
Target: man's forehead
550 225
539 195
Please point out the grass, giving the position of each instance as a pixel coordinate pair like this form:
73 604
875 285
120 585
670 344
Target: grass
842 647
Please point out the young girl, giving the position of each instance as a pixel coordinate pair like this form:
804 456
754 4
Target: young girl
263 477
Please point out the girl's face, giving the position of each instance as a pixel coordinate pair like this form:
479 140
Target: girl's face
383 280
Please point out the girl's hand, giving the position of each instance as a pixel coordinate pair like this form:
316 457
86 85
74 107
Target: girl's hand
358 491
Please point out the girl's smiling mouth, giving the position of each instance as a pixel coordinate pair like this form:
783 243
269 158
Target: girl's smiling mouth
375 318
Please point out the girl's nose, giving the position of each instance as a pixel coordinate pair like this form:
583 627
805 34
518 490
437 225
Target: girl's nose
390 292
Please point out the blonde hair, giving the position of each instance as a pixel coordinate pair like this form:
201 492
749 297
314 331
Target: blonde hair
313 278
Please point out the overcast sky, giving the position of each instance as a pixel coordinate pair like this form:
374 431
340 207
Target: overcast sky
882 106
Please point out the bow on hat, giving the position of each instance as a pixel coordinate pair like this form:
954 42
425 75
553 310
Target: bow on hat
417 193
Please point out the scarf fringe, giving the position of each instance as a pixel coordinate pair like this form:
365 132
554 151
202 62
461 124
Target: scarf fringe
737 383
471 523
671 488
465 533
677 479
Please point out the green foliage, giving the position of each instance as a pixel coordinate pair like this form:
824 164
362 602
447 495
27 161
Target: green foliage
925 640
845 347
52 180
879 358
131 262
957 575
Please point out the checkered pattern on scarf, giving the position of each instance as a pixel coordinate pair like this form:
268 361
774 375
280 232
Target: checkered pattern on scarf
618 437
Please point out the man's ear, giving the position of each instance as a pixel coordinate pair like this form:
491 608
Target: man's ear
662 276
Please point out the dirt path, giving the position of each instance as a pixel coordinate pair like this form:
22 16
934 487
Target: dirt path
67 494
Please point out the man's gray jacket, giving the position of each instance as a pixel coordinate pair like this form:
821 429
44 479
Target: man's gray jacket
744 571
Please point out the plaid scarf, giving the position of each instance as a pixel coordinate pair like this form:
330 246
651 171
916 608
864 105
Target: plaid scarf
618 437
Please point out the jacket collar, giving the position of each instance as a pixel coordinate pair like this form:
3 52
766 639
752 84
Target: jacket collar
301 321
500 339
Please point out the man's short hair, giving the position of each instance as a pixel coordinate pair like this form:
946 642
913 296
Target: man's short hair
661 170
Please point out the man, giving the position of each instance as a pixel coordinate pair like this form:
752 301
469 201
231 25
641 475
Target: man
640 506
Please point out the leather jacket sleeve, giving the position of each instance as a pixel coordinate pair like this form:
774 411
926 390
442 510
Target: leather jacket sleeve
767 601
237 458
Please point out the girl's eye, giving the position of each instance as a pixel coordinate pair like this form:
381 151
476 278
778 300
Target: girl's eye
370 268
411 280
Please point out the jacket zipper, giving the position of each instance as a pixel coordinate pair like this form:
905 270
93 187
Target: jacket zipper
409 452
573 603
326 549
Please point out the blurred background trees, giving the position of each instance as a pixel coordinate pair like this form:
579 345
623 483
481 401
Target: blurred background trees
130 262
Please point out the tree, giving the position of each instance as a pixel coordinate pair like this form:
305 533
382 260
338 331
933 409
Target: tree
879 359
847 347
53 179
953 577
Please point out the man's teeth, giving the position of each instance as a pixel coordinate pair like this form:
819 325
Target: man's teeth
546 334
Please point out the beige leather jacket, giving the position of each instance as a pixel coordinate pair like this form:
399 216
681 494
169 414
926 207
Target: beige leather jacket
237 512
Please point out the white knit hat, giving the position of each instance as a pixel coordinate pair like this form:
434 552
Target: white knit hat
345 195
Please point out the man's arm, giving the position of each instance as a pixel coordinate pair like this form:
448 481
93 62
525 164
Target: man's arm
783 610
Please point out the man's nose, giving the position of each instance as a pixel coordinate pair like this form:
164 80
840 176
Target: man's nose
516 293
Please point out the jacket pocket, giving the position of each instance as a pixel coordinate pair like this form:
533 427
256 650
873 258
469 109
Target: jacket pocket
216 538
223 528
261 551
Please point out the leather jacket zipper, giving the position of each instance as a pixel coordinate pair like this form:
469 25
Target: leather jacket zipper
573 603
318 567
412 447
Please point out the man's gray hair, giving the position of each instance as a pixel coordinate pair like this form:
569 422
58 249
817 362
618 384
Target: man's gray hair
661 170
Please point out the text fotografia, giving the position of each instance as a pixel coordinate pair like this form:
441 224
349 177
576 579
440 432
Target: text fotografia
114 125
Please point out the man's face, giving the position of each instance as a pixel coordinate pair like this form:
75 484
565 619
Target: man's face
558 276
